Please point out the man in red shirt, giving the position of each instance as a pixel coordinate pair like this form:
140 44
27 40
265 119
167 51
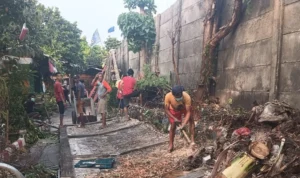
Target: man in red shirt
128 90
59 96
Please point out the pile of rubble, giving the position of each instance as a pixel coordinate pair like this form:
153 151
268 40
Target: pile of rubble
262 143
235 143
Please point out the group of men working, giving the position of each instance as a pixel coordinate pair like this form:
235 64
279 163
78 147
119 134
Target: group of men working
177 102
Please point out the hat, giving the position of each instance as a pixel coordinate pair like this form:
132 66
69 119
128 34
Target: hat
177 90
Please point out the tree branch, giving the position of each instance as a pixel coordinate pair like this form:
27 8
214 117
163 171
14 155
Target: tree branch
226 29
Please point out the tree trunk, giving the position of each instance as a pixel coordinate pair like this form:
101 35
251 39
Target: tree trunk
213 35
174 63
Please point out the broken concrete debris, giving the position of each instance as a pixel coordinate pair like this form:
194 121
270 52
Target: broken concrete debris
257 152
232 147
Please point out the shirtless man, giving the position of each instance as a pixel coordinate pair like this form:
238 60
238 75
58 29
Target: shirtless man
178 103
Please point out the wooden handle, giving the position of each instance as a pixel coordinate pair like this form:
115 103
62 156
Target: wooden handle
186 136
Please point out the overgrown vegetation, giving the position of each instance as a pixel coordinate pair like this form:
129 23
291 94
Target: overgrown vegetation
39 171
93 55
112 43
49 33
112 98
14 77
152 80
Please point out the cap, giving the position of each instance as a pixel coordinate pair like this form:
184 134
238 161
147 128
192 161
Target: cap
177 90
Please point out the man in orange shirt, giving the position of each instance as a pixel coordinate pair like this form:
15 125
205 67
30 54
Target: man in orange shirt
178 103
103 90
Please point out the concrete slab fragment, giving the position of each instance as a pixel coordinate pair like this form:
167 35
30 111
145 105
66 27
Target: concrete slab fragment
116 142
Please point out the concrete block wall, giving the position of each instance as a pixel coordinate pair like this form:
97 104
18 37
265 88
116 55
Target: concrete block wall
191 39
259 60
192 13
289 80
244 59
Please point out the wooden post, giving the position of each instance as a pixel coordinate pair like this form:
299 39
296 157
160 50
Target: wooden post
113 55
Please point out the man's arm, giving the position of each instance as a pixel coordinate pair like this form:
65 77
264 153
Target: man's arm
187 116
188 107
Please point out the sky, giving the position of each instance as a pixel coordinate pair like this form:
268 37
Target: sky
97 14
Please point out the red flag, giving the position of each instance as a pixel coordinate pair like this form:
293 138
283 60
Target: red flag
23 32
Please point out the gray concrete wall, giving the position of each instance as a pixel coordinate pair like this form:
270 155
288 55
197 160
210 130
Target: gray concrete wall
244 62
289 81
259 60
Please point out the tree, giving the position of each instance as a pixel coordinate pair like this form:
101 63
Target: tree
92 55
112 43
85 48
213 34
139 28
146 6
48 33
96 56
64 44
12 16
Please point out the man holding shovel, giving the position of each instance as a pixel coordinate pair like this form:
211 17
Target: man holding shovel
178 103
